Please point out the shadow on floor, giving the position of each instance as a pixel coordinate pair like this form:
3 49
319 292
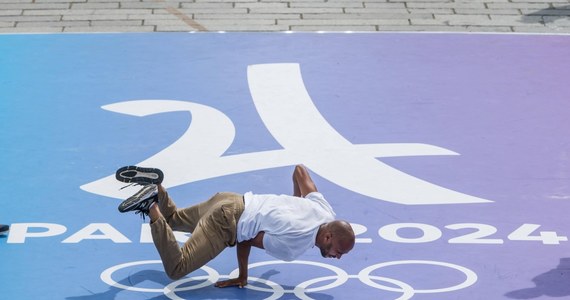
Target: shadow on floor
554 283
132 280
160 278
548 15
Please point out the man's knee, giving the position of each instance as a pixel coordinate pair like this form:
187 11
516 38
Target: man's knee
182 268
175 275
178 271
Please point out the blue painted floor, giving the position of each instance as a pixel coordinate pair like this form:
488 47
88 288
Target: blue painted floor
449 153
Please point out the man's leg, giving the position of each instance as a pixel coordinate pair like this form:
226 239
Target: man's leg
195 253
186 219
214 230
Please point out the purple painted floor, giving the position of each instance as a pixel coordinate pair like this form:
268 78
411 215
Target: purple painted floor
449 153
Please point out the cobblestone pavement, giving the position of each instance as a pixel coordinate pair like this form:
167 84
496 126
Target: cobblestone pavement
531 16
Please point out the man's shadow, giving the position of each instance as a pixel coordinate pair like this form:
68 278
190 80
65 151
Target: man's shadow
160 278
132 280
554 283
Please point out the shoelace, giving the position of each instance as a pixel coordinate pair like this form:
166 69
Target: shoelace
134 184
143 213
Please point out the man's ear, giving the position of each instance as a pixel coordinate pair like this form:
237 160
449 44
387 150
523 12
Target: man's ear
328 236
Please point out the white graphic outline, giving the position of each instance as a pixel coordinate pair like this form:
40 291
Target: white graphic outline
289 114
301 289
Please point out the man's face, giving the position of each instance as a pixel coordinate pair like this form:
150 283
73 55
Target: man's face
335 249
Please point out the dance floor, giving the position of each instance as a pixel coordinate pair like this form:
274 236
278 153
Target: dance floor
449 154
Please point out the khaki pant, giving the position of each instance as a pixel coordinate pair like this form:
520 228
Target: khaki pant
213 225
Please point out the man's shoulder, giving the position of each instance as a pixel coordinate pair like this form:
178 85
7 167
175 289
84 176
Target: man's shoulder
315 195
320 199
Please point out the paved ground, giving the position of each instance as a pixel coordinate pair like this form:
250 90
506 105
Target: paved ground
550 16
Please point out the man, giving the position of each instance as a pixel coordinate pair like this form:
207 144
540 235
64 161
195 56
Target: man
285 226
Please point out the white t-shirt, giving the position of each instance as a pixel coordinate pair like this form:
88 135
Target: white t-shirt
290 223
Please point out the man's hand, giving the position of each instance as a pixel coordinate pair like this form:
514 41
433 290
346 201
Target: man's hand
232 282
302 182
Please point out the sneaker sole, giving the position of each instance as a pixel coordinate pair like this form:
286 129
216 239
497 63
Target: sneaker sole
136 174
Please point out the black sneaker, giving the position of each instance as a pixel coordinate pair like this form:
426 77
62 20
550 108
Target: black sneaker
141 201
4 229
140 175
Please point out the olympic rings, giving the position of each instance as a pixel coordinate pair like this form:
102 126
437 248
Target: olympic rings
364 276
171 289
341 277
407 290
301 289
212 277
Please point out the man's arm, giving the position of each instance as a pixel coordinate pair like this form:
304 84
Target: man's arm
243 250
302 182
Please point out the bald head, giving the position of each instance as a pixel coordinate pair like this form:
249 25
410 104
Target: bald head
335 238
342 230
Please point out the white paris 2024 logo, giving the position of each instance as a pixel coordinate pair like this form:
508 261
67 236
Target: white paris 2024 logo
289 114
